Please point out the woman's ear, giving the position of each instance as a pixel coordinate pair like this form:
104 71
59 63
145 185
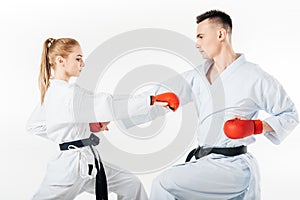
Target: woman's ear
59 60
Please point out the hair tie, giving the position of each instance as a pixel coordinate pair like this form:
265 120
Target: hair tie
50 42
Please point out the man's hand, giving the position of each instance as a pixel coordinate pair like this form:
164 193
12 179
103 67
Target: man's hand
240 128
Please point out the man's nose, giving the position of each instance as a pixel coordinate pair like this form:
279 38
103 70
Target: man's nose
197 45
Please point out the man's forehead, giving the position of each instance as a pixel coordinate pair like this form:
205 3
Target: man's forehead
206 25
206 22
203 25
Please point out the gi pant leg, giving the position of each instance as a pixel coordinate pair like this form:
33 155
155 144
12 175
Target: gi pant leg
63 181
59 192
126 185
214 177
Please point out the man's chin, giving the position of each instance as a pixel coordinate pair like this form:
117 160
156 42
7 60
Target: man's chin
204 56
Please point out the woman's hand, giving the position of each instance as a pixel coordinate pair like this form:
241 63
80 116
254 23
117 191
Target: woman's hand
96 127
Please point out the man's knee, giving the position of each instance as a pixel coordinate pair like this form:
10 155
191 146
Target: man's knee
163 181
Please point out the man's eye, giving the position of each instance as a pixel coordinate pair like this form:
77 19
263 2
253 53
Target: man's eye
78 59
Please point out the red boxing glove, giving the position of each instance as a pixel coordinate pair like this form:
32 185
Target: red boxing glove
168 97
237 129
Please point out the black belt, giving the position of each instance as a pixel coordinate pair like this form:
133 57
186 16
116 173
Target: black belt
92 140
200 152
101 183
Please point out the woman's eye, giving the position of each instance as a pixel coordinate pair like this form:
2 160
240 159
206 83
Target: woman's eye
78 59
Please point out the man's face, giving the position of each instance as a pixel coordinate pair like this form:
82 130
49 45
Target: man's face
208 41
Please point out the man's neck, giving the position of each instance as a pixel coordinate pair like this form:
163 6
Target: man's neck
221 62
224 59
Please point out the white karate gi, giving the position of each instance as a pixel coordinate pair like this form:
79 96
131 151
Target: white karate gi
242 90
67 173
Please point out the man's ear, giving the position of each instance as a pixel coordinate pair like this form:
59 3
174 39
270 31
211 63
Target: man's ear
222 33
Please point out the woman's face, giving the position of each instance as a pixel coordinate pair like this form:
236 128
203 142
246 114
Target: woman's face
74 62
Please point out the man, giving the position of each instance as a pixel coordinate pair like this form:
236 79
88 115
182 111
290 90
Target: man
231 88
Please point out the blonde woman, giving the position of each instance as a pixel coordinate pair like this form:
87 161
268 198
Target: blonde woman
77 166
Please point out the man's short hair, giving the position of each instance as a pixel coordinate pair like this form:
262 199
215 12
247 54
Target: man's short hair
218 17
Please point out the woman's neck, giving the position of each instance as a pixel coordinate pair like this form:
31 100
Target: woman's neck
61 76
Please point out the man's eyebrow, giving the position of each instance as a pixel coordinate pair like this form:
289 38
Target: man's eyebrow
200 34
80 55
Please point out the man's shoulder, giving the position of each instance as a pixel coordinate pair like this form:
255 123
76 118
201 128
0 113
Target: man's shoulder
251 67
255 72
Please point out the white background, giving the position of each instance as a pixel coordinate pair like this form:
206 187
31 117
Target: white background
266 31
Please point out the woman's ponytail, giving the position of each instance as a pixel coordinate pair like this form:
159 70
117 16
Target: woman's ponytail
45 69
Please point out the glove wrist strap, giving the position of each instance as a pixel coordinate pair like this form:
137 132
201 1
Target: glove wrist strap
258 126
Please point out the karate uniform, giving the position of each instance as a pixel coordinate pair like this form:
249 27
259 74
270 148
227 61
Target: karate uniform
243 89
64 117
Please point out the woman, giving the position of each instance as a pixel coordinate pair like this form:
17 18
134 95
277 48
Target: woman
77 166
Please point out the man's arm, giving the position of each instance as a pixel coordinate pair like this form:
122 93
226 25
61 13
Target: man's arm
282 120
180 85
283 113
